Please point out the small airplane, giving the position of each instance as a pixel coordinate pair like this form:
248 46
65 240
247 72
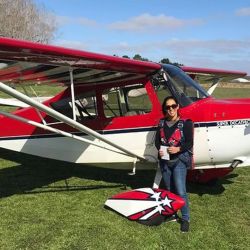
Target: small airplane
110 108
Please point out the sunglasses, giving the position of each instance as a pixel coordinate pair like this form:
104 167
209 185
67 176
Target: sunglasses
173 106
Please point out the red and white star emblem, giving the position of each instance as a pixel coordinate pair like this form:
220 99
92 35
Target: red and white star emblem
145 203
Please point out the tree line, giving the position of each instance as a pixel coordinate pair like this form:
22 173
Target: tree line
164 60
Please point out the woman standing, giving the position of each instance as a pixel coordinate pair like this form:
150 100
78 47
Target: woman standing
174 141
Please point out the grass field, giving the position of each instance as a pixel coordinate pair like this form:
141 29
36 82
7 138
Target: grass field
232 92
46 204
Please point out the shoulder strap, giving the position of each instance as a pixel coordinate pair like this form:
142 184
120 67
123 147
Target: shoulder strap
180 126
162 133
161 123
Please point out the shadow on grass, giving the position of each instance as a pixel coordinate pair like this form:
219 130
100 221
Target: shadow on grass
213 187
33 172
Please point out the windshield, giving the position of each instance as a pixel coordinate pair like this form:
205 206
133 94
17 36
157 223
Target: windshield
180 85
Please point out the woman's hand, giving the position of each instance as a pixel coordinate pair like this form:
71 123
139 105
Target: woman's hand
173 150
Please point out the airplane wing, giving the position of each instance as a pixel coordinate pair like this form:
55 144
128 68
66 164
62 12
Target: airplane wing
28 63
212 76
204 75
23 62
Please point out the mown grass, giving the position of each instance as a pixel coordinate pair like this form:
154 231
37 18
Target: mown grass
232 92
46 204
39 90
32 91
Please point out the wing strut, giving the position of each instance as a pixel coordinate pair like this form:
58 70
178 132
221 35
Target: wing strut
213 86
14 93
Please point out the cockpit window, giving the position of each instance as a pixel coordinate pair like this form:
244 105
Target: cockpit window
85 106
126 101
175 82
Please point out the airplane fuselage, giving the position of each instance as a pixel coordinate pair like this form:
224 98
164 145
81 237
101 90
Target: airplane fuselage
221 135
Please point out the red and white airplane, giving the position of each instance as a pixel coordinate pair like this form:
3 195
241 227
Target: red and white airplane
110 109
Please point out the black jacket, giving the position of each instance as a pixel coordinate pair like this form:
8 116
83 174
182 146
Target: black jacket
188 129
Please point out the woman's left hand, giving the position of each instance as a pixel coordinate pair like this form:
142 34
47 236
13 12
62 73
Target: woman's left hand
173 150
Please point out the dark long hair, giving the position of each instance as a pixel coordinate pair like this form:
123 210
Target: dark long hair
164 103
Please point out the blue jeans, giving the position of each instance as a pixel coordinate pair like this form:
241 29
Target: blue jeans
175 181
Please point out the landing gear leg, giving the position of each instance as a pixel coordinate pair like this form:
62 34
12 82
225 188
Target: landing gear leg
134 167
158 177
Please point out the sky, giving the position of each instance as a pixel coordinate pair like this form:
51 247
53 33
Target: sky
199 33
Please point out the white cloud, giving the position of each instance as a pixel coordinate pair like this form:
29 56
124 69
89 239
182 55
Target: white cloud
219 47
146 22
72 44
86 21
63 20
66 20
243 12
224 54
189 47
